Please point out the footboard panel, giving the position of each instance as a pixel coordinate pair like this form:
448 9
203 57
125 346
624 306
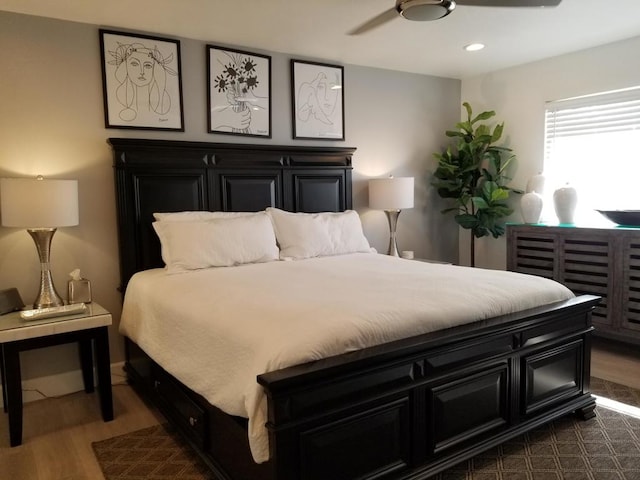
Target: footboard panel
416 407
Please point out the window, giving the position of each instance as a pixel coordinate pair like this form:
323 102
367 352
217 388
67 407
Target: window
593 143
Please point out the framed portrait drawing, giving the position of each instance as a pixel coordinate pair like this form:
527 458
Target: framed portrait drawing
318 100
141 81
238 92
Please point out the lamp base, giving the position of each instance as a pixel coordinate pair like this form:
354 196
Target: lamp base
47 295
392 217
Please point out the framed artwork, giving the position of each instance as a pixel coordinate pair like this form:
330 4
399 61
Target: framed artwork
141 81
318 100
239 92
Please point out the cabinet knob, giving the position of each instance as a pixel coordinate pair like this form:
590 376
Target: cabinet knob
193 421
156 384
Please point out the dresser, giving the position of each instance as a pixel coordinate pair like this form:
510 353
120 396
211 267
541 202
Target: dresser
602 261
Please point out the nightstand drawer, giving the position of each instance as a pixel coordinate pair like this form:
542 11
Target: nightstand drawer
179 405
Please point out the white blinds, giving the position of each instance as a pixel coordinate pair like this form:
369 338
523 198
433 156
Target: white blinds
591 142
592 114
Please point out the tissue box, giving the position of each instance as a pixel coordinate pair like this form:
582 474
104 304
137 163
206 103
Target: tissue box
80 291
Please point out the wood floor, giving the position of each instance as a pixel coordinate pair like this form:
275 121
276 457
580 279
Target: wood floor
58 432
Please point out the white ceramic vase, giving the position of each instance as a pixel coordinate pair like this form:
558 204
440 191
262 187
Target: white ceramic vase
565 200
531 207
536 184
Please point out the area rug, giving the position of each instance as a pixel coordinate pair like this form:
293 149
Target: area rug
606 447
153 453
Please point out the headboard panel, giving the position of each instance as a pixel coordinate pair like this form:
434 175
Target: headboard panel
171 176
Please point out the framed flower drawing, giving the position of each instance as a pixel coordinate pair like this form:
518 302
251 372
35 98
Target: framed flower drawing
318 100
238 92
141 81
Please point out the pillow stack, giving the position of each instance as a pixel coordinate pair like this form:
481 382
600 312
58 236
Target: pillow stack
202 239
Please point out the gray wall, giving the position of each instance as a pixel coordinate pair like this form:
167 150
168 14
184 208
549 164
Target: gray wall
52 124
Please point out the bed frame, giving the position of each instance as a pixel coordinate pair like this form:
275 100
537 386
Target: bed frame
403 410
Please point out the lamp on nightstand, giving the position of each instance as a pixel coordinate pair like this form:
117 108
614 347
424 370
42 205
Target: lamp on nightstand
41 206
391 194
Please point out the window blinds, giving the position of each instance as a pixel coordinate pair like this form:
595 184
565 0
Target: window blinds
591 143
592 114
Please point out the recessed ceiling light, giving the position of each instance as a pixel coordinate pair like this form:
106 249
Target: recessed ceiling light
474 47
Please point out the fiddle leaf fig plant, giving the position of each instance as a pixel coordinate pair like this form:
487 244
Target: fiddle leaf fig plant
472 173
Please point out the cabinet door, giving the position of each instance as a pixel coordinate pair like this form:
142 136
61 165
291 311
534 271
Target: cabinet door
630 323
169 190
451 420
587 265
333 451
532 252
319 191
252 191
551 375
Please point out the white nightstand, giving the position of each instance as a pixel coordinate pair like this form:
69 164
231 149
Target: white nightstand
89 329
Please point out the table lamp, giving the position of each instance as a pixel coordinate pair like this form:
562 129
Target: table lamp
40 206
391 194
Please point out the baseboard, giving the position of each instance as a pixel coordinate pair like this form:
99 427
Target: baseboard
63 384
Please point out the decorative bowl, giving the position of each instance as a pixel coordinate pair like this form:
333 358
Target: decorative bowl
629 218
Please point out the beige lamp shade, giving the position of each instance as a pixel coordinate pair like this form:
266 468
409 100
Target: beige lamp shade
38 203
391 193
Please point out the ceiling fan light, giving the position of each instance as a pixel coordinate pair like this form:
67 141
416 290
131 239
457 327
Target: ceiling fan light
425 10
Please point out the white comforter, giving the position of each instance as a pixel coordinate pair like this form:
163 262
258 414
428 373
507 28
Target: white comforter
216 329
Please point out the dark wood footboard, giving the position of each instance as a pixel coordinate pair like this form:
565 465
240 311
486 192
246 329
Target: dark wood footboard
403 410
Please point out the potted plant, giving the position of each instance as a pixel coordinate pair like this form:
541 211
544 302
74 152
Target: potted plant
473 175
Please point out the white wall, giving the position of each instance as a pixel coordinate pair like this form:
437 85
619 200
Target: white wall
52 124
518 96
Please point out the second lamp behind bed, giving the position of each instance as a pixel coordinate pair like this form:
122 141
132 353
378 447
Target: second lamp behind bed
391 194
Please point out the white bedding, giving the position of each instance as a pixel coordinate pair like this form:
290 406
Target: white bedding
217 329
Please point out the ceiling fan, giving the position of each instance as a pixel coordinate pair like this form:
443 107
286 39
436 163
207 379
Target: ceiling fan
424 10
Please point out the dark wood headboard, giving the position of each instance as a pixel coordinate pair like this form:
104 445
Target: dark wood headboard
171 176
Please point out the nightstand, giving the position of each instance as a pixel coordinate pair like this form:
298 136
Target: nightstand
89 329
426 260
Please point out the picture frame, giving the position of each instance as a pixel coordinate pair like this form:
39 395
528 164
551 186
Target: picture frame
317 92
141 80
238 92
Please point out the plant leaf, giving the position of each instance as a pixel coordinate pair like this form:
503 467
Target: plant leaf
479 203
497 133
466 220
483 116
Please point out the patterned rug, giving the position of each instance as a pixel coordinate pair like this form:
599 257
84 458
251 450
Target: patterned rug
153 453
606 447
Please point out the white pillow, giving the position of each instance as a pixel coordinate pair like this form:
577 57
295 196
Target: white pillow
220 242
306 235
198 215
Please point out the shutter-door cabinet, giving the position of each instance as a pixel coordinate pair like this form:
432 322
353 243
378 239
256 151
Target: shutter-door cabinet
598 261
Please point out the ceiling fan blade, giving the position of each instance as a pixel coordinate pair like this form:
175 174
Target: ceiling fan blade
376 21
509 3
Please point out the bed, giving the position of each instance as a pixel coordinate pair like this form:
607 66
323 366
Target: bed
400 407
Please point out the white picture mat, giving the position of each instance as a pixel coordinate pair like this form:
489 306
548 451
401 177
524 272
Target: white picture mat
142 85
318 94
239 92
